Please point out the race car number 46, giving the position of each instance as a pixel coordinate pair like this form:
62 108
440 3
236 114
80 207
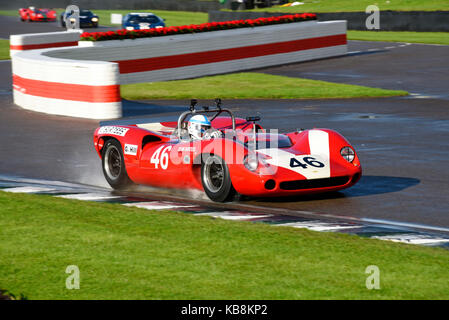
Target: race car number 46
160 156
308 161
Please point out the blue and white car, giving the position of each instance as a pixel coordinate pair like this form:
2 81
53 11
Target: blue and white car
139 21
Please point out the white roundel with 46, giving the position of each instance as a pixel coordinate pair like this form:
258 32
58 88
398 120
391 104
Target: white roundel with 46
312 166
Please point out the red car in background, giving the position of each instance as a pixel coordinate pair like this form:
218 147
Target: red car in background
37 14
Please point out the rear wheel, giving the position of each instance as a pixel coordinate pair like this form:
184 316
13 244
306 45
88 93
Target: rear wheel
216 179
113 163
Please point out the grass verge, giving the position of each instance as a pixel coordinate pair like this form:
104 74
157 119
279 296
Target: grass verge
250 86
401 36
4 49
131 253
360 5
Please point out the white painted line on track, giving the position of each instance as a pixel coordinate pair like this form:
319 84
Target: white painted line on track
89 196
391 223
156 205
413 239
28 189
226 215
318 226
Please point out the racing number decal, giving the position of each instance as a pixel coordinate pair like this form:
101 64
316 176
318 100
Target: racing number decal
311 161
161 157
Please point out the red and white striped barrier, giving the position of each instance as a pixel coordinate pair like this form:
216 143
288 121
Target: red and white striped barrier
193 55
84 81
33 41
86 89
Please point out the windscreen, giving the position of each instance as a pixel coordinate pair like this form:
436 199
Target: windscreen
143 19
267 141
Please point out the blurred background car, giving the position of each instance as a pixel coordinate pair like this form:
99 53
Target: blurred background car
37 14
87 19
139 21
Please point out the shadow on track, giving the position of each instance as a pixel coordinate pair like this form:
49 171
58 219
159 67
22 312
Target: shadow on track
368 185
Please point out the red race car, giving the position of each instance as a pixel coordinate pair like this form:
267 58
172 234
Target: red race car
214 151
34 14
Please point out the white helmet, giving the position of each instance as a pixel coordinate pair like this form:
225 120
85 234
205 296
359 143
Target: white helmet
198 125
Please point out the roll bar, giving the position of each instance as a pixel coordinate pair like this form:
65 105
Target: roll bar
192 111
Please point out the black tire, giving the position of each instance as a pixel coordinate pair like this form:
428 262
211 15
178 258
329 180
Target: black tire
113 163
216 179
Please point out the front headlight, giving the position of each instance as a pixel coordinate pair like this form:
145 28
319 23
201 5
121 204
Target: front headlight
73 20
347 153
94 19
251 162
129 28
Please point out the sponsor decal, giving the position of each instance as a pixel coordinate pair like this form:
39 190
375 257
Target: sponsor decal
131 149
186 149
118 131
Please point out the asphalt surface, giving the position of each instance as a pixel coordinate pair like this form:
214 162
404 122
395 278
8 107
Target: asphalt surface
403 143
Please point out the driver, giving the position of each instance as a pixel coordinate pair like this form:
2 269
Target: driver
199 128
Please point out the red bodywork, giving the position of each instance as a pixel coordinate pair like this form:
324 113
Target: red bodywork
161 160
35 14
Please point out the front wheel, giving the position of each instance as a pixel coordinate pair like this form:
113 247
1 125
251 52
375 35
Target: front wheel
216 179
113 163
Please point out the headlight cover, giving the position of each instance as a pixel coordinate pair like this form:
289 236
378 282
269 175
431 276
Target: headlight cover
94 19
251 162
347 153
129 28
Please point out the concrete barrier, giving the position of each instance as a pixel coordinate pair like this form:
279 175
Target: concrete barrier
33 41
84 80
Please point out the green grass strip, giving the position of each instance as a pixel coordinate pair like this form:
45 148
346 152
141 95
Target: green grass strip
4 50
131 253
250 86
401 36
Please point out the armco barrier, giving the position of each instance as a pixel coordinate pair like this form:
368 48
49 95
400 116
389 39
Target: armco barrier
84 81
22 42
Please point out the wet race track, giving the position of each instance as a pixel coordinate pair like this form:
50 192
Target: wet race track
403 142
